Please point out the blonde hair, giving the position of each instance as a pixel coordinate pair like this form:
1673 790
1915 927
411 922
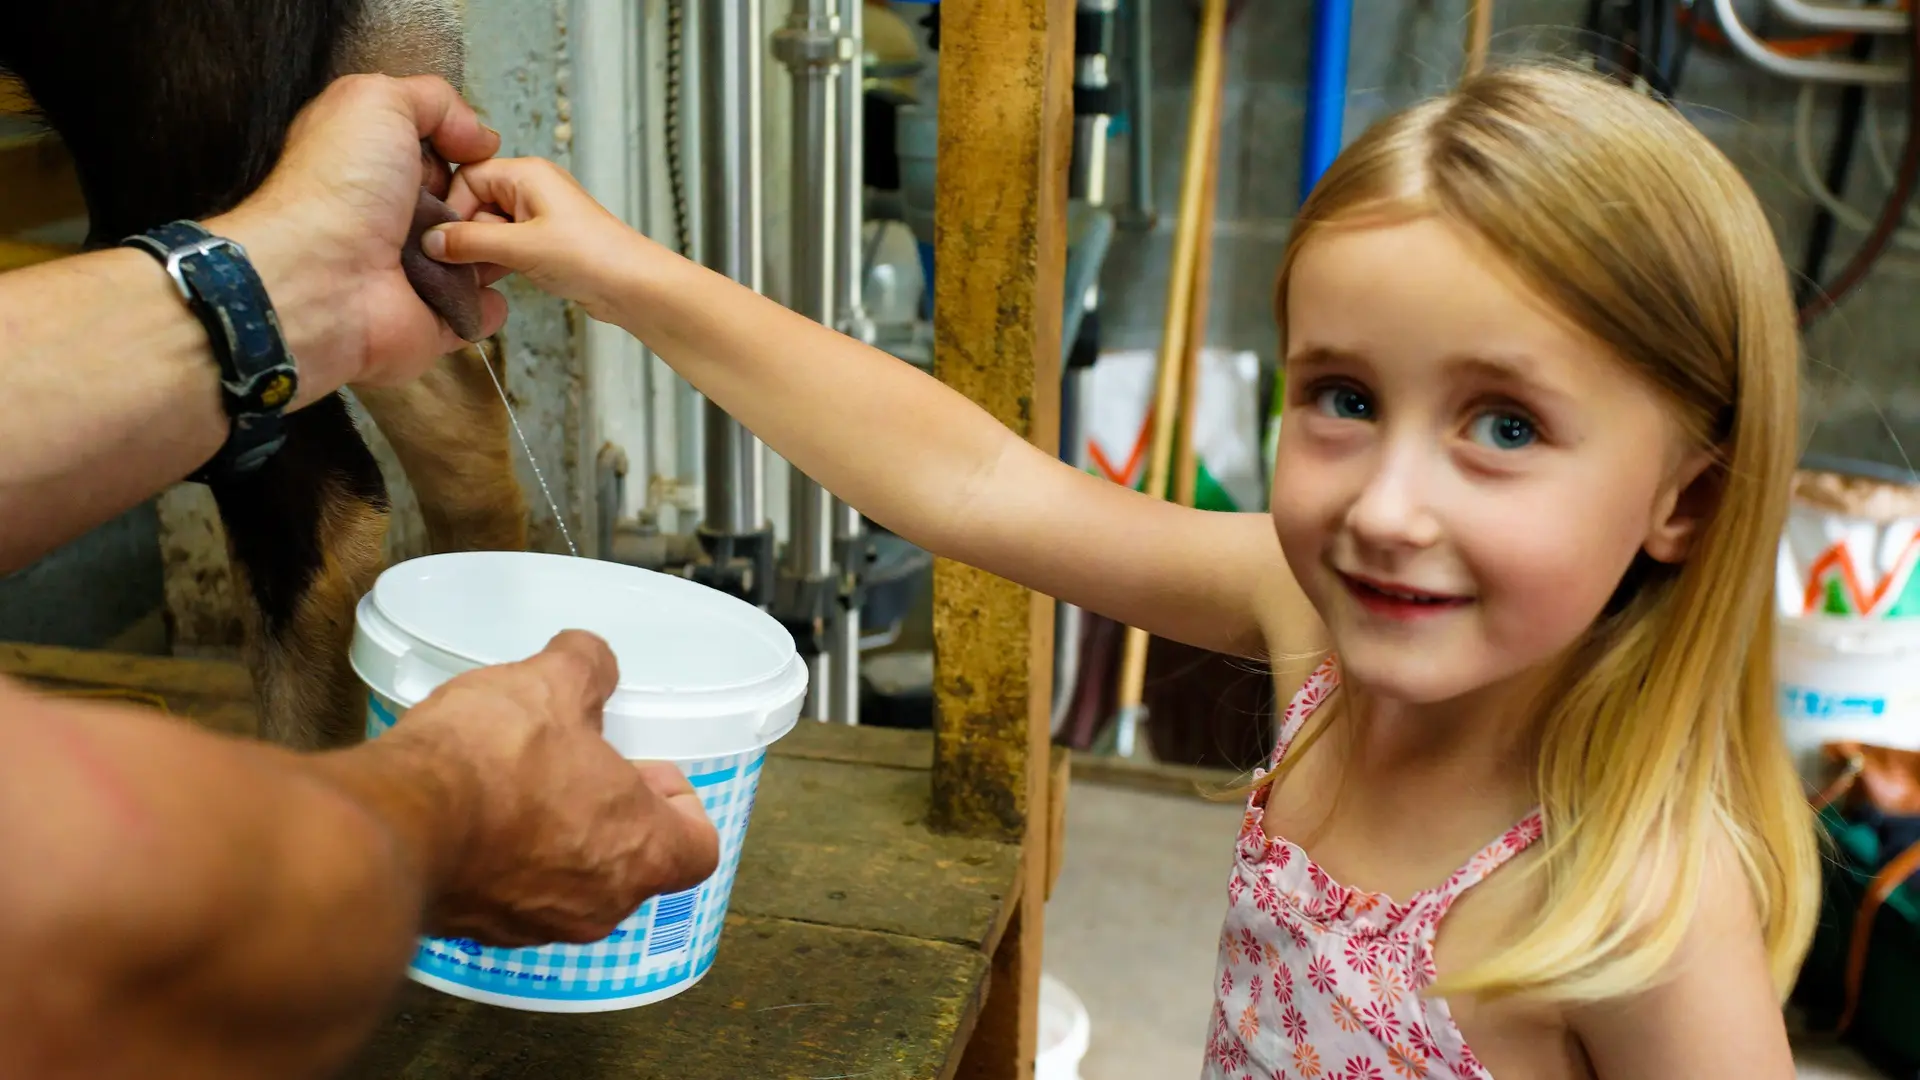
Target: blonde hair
1662 737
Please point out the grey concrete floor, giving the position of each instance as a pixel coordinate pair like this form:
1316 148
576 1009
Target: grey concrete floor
1134 921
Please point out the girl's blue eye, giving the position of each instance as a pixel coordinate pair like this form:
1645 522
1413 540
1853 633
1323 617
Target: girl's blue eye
1345 403
1504 430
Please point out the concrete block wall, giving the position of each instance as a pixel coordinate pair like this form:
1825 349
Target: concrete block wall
1862 363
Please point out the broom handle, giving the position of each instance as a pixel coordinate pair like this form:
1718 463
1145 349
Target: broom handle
1202 117
1186 463
1479 35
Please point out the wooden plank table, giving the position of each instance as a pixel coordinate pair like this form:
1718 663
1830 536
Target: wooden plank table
857 940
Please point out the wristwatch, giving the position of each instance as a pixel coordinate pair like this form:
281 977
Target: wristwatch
258 375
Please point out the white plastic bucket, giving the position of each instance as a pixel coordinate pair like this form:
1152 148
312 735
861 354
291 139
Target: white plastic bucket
707 681
1843 678
1851 546
1065 1032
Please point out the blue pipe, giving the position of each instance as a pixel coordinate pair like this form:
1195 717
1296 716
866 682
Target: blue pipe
1326 90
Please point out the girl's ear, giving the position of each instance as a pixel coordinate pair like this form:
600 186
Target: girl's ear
1684 506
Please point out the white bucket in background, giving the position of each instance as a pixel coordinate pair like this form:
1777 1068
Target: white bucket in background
1842 678
1065 1032
707 681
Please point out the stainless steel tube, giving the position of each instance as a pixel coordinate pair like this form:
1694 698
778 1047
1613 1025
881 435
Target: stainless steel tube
810 564
850 139
843 630
850 312
811 46
730 103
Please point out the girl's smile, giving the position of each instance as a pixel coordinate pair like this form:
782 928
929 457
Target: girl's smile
1393 600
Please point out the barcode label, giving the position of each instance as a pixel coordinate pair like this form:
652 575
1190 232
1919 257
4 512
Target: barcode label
672 923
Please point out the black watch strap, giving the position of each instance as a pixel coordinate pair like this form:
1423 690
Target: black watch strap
258 375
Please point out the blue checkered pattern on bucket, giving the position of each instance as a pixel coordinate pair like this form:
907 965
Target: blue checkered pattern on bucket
668 943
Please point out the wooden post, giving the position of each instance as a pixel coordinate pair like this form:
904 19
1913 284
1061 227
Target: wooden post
1005 125
999 261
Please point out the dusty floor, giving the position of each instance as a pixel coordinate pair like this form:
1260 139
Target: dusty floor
1133 924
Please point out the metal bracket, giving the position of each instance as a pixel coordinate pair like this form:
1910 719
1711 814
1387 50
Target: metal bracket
739 564
809 44
853 554
609 475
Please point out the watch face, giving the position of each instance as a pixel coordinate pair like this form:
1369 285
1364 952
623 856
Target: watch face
276 392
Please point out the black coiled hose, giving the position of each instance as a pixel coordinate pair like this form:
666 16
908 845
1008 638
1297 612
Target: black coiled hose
676 162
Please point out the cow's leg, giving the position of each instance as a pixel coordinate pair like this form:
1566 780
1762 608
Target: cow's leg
450 431
307 532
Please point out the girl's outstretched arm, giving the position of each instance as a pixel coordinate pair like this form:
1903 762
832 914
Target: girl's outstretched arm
905 449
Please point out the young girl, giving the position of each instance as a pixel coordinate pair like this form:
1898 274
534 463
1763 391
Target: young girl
1537 819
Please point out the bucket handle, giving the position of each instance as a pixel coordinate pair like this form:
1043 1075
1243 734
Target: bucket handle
770 722
414 676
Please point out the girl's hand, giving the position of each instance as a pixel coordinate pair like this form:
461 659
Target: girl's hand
531 217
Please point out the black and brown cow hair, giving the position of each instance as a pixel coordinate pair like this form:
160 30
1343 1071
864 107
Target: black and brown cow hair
178 109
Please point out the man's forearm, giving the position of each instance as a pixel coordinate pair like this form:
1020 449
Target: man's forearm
224 908
111 390
111 395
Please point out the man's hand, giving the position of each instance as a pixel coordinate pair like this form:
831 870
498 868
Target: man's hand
333 216
562 837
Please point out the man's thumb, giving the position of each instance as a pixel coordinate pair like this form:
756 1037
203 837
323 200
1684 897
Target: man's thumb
471 242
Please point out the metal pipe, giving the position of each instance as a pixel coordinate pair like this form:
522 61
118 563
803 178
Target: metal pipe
843 632
685 126
1853 20
850 302
850 308
810 579
729 81
1791 67
811 46
1139 212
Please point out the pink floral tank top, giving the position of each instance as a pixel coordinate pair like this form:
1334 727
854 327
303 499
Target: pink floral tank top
1320 981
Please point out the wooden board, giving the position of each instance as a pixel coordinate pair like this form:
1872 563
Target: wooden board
784 999
1059 776
848 845
891 747
211 693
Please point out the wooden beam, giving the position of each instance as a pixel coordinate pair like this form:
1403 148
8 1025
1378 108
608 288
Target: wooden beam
1059 774
999 260
1005 127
